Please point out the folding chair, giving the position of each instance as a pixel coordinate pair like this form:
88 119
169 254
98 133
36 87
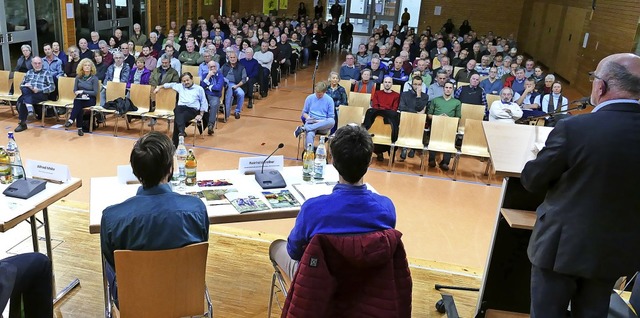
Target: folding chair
17 79
113 91
360 99
492 98
461 84
66 95
347 86
469 111
163 283
443 134
5 87
474 144
140 96
280 283
456 70
381 133
410 135
396 88
165 104
349 115
193 69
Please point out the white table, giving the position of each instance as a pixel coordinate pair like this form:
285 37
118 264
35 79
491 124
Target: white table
16 210
107 191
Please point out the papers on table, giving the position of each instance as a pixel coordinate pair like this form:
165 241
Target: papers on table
312 190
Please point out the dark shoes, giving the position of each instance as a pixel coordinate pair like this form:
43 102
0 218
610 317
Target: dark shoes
444 166
80 132
298 131
68 124
403 154
21 127
210 129
379 157
412 153
250 105
432 164
237 115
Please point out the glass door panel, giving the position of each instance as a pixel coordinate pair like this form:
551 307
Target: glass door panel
16 30
359 13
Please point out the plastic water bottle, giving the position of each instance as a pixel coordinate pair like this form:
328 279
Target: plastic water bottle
308 163
320 161
181 154
14 157
175 177
191 167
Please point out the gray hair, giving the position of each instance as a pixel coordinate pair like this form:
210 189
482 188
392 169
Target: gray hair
618 77
118 54
550 77
25 46
102 43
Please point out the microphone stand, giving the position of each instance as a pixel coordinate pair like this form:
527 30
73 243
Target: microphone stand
313 87
557 112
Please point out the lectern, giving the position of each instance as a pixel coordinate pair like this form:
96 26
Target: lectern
505 289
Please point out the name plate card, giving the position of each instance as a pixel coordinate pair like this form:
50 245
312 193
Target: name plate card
253 164
49 171
126 176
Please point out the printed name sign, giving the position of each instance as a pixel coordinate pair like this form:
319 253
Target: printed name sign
253 164
48 171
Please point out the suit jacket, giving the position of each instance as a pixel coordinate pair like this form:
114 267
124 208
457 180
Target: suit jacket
589 222
7 280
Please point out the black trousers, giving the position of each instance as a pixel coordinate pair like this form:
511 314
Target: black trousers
33 285
551 293
182 116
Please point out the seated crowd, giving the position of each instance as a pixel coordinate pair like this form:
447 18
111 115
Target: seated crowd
230 55
436 74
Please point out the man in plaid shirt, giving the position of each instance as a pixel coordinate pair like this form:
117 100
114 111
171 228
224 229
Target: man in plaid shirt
35 87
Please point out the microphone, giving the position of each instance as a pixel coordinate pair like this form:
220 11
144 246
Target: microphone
23 188
271 179
281 145
583 102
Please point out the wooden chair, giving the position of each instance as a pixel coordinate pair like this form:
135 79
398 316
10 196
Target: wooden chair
193 69
196 80
461 84
456 70
396 88
436 63
137 49
483 77
165 104
470 111
492 98
140 96
360 99
410 135
5 87
443 134
347 86
114 90
381 133
66 95
17 80
163 283
474 144
349 115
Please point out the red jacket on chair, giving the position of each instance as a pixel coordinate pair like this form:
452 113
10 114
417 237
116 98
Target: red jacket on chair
361 275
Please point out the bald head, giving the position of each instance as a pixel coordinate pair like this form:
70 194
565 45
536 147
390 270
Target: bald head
617 76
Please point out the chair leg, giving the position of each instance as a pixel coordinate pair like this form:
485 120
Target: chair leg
141 125
115 127
273 285
305 146
391 156
422 163
209 305
91 121
486 172
44 111
456 160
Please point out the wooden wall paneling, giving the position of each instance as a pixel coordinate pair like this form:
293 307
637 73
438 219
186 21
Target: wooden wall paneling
524 32
569 44
500 16
548 41
536 25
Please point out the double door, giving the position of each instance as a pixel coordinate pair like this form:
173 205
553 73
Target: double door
17 29
104 17
365 15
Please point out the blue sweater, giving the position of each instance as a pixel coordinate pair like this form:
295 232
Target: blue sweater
347 210
252 67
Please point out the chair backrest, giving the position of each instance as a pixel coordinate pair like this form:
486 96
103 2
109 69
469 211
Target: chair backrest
347 86
166 283
436 63
65 89
5 85
138 49
492 98
460 84
396 88
456 70
444 130
166 99
140 95
474 141
483 77
470 111
193 69
98 94
115 90
349 114
411 128
360 99
17 79
381 132
196 80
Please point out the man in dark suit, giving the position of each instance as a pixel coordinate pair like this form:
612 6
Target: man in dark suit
27 277
587 231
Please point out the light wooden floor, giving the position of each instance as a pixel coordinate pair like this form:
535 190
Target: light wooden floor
443 222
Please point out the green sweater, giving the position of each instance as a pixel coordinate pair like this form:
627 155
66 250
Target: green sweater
449 107
192 58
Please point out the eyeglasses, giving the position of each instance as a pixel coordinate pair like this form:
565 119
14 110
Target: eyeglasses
593 77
